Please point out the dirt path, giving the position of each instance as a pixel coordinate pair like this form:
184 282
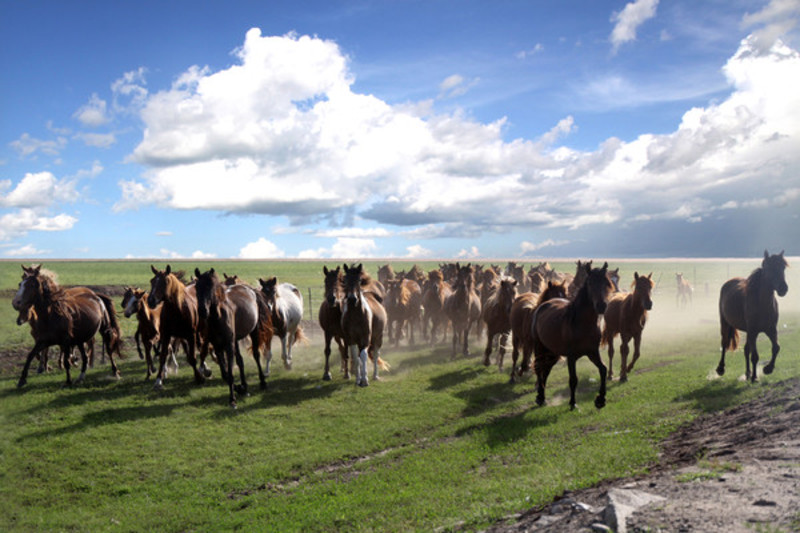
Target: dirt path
738 470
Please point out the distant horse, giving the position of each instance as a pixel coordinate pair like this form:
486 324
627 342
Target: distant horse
683 296
750 305
178 319
286 304
435 293
521 318
569 328
626 315
386 273
463 307
403 304
363 321
613 275
232 280
232 313
330 319
495 313
579 278
66 318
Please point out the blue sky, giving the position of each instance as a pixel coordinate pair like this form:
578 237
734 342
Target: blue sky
435 129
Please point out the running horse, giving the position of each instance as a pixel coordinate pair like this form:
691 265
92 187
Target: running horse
66 318
463 307
286 306
433 297
330 320
750 305
569 328
495 312
178 319
683 294
363 322
626 315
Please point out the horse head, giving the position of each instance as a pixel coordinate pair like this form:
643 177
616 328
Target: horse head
774 267
270 289
29 288
208 287
158 286
642 289
507 293
333 284
352 284
129 302
599 286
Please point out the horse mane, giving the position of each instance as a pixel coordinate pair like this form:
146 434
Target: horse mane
174 289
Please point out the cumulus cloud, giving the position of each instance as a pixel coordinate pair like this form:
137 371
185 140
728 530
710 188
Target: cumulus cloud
23 221
281 132
777 18
27 250
260 249
627 21
94 113
527 247
28 146
417 251
39 189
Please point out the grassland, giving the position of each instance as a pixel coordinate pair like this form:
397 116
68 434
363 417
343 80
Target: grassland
436 444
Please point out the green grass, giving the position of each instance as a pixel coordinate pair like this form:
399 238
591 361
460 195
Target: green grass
436 443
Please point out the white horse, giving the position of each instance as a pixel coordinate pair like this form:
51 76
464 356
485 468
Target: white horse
286 304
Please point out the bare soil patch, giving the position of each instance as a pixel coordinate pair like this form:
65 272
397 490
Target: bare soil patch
738 470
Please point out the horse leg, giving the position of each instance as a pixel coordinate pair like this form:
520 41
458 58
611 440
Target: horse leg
242 388
727 333
326 375
375 353
42 361
148 358
162 359
465 351
110 345
487 353
455 342
573 379
84 363
199 377
595 358
255 343
287 362
228 354
637 343
501 351
136 338
343 357
772 334
514 357
624 350
611 359
362 367
753 359
66 353
23 378
542 366
352 350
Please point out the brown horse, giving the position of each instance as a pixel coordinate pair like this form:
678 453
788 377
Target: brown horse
178 318
66 318
433 297
232 280
330 320
626 315
569 328
521 318
580 276
386 273
750 305
403 305
134 302
683 296
463 307
363 321
495 313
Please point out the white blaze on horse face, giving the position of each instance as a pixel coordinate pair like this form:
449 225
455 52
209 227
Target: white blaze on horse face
17 301
130 309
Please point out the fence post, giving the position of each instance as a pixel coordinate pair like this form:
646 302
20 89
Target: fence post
310 306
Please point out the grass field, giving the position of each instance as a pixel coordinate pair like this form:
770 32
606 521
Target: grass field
436 444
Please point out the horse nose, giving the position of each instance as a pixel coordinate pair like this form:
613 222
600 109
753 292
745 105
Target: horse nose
601 307
648 305
352 300
331 300
151 302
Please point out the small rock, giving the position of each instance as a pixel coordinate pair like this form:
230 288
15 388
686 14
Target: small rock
765 503
600 528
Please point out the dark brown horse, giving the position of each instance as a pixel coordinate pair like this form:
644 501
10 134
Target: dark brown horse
433 296
363 321
580 276
178 318
330 320
626 315
521 318
403 304
232 313
495 313
750 305
569 328
463 307
66 318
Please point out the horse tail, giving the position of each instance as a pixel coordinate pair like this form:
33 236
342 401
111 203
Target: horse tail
382 364
730 335
299 336
265 330
112 336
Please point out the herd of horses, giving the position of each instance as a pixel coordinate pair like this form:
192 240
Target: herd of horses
547 314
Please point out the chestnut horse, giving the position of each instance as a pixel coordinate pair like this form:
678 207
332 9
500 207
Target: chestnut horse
66 318
435 293
134 302
363 321
403 304
569 328
463 307
683 296
495 312
750 305
330 320
626 315
521 318
178 319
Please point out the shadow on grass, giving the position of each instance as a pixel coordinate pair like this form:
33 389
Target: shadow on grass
456 377
511 427
716 395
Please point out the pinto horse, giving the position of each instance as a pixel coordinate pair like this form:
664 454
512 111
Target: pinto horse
496 312
178 319
521 318
330 320
66 318
433 296
626 315
363 322
569 328
463 307
286 306
750 305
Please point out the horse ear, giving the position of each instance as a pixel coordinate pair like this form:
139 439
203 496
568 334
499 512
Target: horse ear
605 266
153 269
587 267
325 269
196 272
635 276
168 269
650 275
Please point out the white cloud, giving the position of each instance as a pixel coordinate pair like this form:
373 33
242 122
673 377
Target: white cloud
98 140
527 247
41 189
199 254
524 54
22 221
343 248
471 253
260 249
416 251
455 85
164 234
27 145
27 250
776 19
627 21
354 232
129 91
94 113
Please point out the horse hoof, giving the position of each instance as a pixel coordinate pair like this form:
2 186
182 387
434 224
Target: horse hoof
326 376
720 370
572 407
486 361
158 386
363 383
623 379
207 372
40 370
234 406
240 389
21 383
769 368
540 401
599 402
